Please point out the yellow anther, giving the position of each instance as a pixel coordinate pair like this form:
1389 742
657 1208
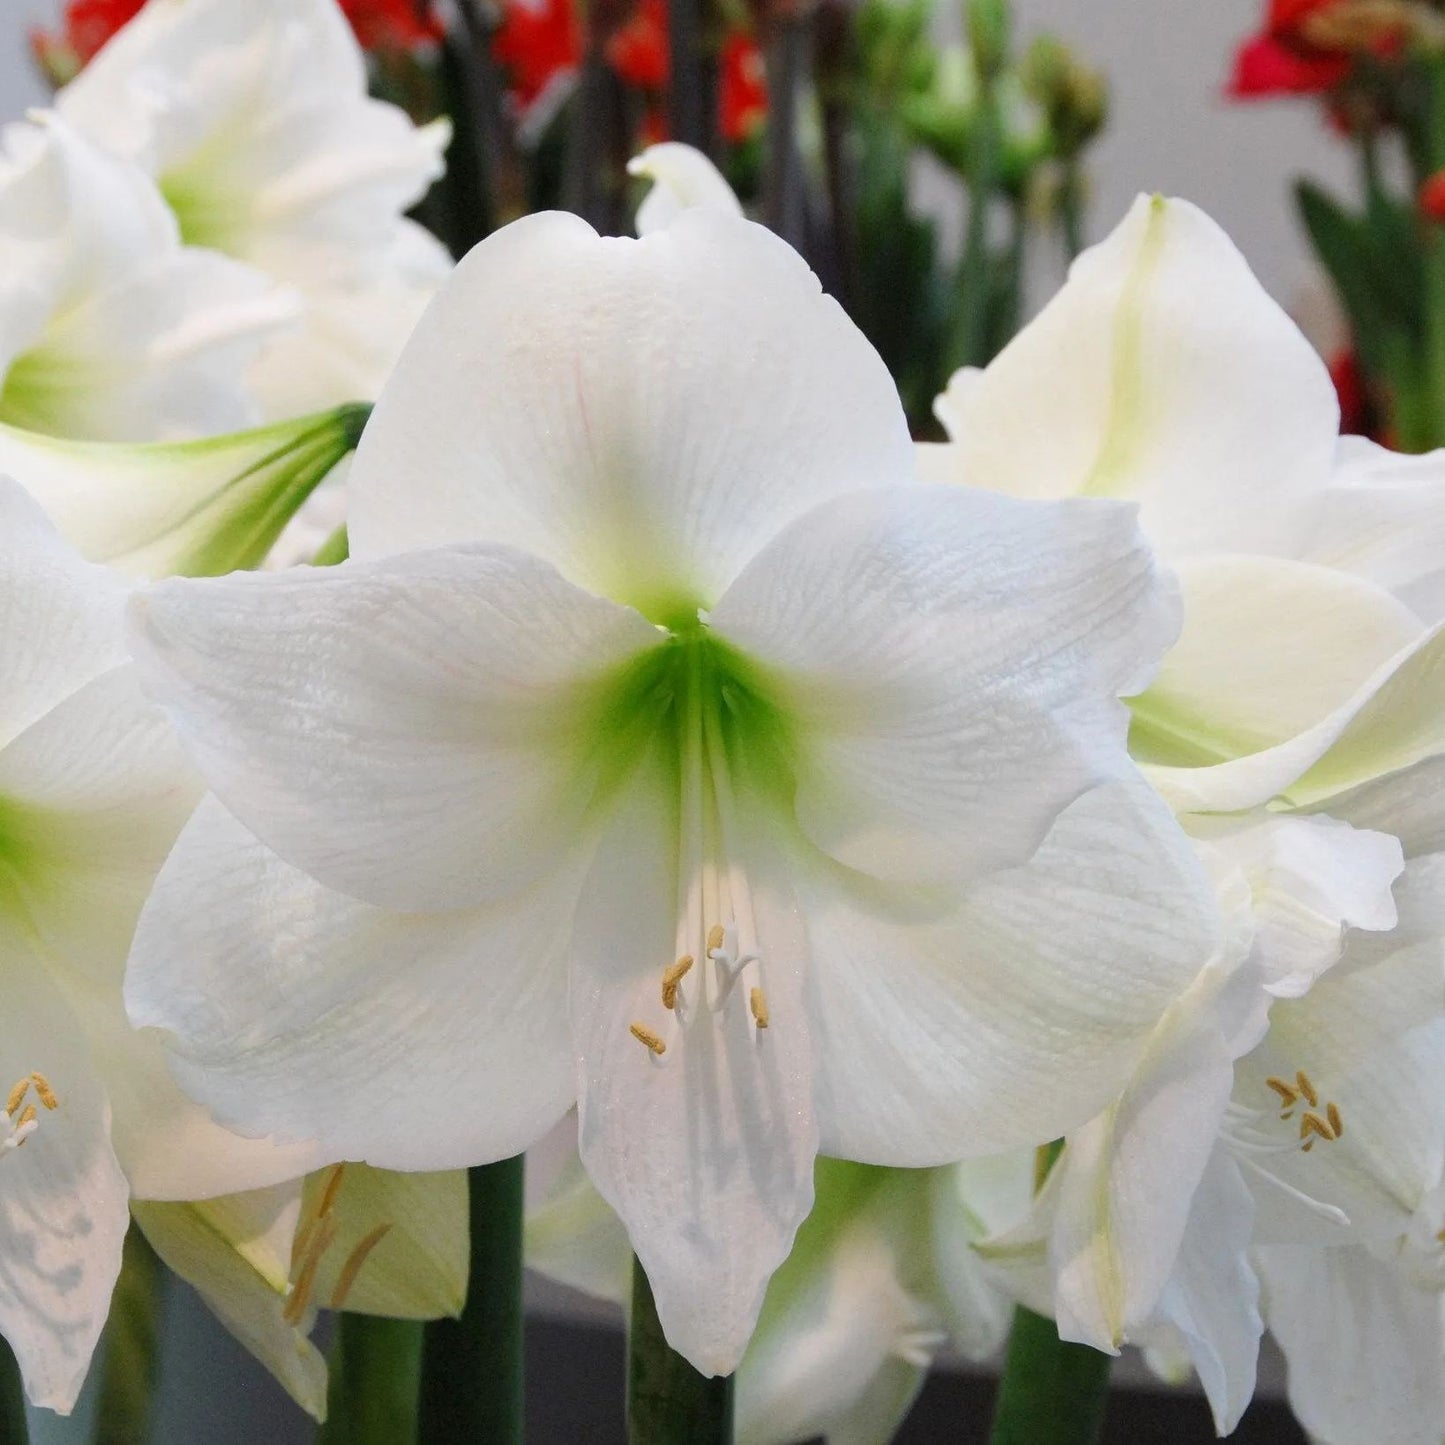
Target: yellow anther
644 1035
1332 1113
1288 1094
47 1094
330 1191
300 1296
1312 1124
673 976
758 1003
1307 1089
17 1096
715 937
30 1116
346 1281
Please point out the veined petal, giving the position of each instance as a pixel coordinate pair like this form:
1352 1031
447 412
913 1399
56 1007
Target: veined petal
681 179
944 1032
1162 371
424 732
60 617
643 414
296 1011
950 662
1362 1342
63 1211
705 1151
1269 648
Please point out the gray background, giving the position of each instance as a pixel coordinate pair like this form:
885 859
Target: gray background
1170 131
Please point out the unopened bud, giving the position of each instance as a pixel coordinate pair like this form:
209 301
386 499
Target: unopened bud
989 24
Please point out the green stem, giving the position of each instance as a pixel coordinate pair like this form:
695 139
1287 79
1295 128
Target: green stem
1051 1393
968 344
334 550
131 1347
13 1427
375 1382
471 1374
668 1402
1071 208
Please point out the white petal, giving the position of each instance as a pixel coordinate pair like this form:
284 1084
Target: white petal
411 1041
1410 804
63 1212
60 618
1212 1298
1164 372
681 178
943 1033
643 414
707 1151
421 731
1269 648
950 663
1382 517
1363 1345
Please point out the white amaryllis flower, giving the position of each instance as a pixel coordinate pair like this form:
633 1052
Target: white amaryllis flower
110 328
668 750
93 790
255 121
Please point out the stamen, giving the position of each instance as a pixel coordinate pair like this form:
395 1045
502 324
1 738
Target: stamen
715 936
1307 1146
331 1190
346 1281
1288 1094
758 1003
644 1035
306 1281
1311 1123
673 976
1332 1113
17 1096
1306 1088
47 1094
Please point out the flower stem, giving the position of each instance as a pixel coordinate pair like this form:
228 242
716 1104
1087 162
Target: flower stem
471 1373
132 1346
13 1427
668 1402
1051 1393
375 1382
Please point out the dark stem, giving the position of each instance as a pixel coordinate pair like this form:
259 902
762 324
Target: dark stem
471 1373
692 88
968 345
471 212
375 1382
785 182
131 1346
668 1402
832 40
13 1427
1071 208
1051 1393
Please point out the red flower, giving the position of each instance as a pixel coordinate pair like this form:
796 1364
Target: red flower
1264 66
1307 47
537 41
638 50
744 87
1350 389
1431 199
393 25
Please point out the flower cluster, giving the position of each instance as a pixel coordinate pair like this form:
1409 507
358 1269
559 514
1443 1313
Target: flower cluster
879 883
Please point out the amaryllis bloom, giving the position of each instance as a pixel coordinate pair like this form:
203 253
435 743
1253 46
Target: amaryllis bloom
110 328
1307 47
256 124
539 47
392 25
667 750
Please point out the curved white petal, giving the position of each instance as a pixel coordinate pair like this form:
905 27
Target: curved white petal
63 1213
643 414
1163 372
948 1031
424 1042
681 178
1364 1346
1410 804
950 664
706 1152
1269 649
423 731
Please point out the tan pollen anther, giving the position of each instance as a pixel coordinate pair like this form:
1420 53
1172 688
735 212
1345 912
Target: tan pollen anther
346 1281
644 1035
17 1096
1332 1113
300 1297
1288 1094
715 937
43 1089
30 1116
1312 1124
1306 1088
758 1003
673 976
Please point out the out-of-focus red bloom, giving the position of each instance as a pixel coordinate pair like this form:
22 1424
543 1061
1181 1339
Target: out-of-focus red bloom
1307 47
1431 199
1264 66
638 50
537 42
393 25
1350 388
743 87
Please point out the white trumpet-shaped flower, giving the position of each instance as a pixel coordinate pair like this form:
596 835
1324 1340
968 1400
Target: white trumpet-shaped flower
93 790
666 749
110 328
255 122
